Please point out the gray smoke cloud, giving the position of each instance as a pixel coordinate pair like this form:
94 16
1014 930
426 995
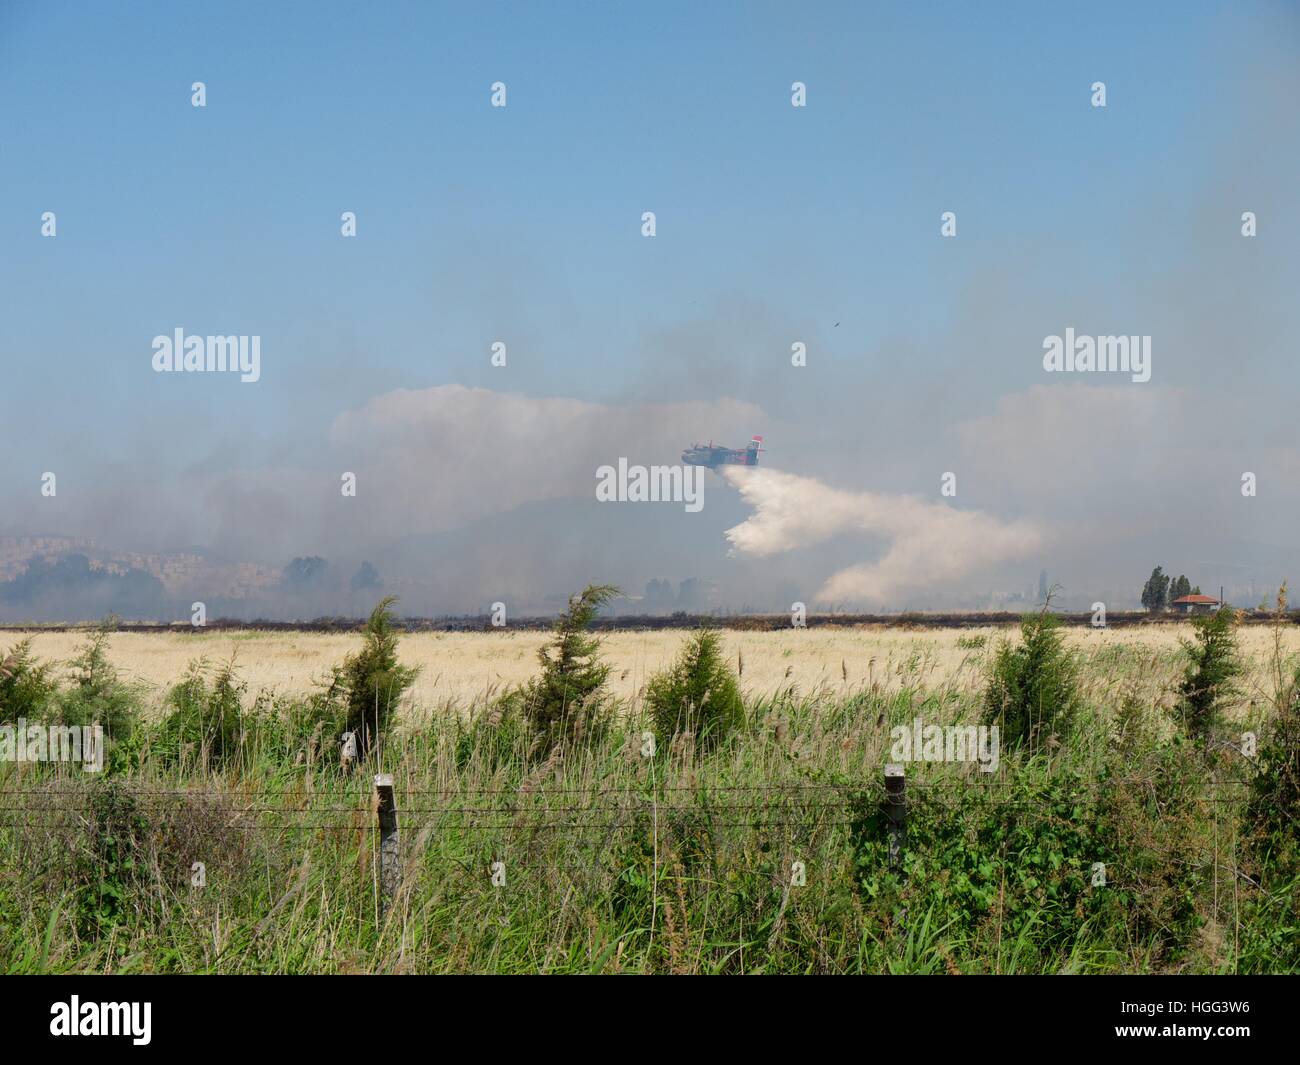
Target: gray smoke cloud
440 458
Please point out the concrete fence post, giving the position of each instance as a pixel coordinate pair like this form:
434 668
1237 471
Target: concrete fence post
896 812
390 863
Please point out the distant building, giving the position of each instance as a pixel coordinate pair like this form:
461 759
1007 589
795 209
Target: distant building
1195 604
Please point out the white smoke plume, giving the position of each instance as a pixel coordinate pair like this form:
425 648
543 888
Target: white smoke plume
931 544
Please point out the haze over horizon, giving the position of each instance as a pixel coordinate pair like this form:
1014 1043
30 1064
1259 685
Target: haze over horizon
775 225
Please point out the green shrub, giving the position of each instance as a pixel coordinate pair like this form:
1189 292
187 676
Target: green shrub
110 863
987 864
364 691
206 717
497 737
111 854
27 686
1212 667
1033 691
1272 814
566 703
96 696
1275 790
1131 729
699 694
1155 833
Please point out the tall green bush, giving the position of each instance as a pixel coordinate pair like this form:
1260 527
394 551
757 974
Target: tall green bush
1274 807
96 694
205 717
699 694
566 702
366 689
27 686
1275 789
1209 678
1033 689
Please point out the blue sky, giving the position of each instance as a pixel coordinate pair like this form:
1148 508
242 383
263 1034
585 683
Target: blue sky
523 223
474 220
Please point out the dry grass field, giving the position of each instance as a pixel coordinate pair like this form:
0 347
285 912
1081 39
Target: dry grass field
462 669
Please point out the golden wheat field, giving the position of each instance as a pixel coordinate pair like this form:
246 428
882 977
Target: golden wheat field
460 670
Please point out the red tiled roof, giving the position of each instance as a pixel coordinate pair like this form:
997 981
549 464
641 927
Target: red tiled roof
1196 599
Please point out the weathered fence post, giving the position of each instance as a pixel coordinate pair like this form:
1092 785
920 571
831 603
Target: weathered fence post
390 864
896 812
348 751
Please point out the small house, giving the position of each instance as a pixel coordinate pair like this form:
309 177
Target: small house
1195 604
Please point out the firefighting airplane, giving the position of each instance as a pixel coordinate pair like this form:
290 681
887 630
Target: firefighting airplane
713 457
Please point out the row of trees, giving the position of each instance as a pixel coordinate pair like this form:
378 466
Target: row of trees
564 705
1033 691
303 574
1034 695
1161 590
567 702
205 711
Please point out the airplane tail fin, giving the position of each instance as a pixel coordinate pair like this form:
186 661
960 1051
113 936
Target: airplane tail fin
755 446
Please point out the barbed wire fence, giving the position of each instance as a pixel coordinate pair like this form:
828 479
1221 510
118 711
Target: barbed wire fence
388 815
